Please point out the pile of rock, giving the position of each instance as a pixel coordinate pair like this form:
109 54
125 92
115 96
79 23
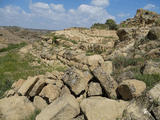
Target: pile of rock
78 95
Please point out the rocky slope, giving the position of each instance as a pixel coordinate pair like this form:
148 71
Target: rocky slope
109 75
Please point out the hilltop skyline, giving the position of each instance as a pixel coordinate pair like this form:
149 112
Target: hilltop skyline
60 14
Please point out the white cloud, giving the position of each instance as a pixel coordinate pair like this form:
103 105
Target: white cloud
100 2
53 16
123 15
150 7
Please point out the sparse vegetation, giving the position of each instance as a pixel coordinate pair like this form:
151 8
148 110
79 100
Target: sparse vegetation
13 46
122 62
99 26
111 24
33 116
14 67
149 79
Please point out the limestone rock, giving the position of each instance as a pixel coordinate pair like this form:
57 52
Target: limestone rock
77 80
154 33
94 89
37 87
94 60
39 103
28 85
129 89
106 81
51 92
152 68
15 108
99 108
124 34
136 112
154 93
16 85
63 108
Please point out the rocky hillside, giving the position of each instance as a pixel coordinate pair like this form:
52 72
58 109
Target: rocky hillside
85 74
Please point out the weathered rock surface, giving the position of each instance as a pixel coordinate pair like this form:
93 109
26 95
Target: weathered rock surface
107 82
63 108
94 89
154 93
51 92
129 89
28 85
99 108
156 112
77 80
152 68
135 112
39 103
154 33
15 108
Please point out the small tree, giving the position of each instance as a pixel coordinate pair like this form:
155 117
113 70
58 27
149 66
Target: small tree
111 24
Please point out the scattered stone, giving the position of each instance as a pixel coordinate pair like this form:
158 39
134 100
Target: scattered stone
99 108
63 108
15 108
39 103
51 92
107 82
94 89
81 117
132 88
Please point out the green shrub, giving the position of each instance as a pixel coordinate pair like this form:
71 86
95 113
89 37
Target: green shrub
13 46
149 79
111 24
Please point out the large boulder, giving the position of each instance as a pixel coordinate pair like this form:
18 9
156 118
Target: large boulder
51 92
63 108
154 33
77 80
132 88
125 34
99 108
136 112
106 81
15 108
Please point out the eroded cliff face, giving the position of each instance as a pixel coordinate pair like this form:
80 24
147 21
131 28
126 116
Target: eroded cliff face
97 75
